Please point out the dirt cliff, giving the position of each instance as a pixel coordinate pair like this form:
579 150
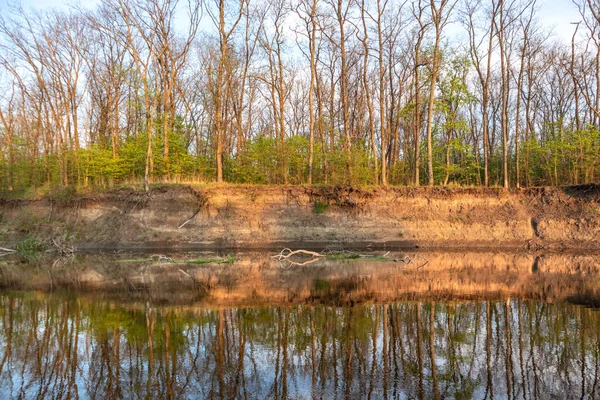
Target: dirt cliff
252 217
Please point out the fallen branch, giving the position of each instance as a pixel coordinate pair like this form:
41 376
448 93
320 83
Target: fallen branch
62 249
189 219
4 249
283 256
286 256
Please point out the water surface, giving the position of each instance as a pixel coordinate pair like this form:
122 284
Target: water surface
338 330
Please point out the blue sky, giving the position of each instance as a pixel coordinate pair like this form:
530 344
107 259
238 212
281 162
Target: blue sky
552 13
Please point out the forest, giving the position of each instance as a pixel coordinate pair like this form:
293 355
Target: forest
334 92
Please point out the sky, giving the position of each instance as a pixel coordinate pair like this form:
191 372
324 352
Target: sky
556 14
559 14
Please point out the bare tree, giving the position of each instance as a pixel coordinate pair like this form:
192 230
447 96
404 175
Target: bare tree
307 10
471 9
418 12
367 87
440 14
219 18
526 26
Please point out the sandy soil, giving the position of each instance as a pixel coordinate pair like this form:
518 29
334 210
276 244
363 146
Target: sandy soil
269 217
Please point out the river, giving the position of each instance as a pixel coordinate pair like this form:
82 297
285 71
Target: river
351 328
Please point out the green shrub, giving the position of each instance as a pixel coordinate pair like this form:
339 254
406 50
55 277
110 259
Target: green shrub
320 207
29 248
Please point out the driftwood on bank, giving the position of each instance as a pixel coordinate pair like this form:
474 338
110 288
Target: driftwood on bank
63 249
286 253
286 261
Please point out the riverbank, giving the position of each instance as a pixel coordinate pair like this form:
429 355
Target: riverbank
270 217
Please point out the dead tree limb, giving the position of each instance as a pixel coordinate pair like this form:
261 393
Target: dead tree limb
283 256
62 249
189 219
285 260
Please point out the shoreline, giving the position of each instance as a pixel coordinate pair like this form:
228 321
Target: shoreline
184 218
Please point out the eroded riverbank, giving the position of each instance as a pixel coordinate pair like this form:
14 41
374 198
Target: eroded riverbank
508 307
270 217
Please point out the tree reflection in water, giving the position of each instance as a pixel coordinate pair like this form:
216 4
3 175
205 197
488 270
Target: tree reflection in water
55 346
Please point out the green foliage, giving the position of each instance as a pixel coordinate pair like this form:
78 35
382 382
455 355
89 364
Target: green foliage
297 159
360 163
556 155
564 157
230 259
29 248
258 164
320 207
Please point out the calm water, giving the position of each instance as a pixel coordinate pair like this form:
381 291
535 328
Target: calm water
64 346
502 326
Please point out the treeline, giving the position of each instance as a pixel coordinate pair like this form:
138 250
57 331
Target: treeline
298 91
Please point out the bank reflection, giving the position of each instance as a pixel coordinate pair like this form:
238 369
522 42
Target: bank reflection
55 346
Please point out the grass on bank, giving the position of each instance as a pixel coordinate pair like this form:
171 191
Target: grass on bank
69 193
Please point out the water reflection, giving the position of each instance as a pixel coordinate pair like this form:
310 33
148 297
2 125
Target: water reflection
255 279
59 346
